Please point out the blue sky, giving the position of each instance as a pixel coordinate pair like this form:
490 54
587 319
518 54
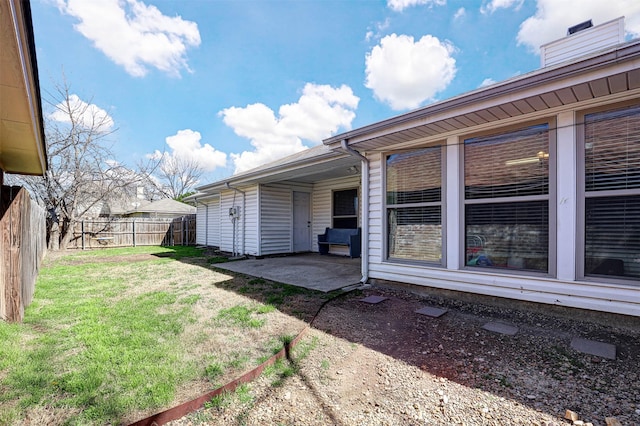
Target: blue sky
237 83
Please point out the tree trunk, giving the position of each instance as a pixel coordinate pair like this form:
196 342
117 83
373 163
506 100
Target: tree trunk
54 236
67 234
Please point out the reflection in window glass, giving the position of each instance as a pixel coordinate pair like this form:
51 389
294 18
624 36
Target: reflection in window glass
415 233
612 193
508 235
414 205
511 166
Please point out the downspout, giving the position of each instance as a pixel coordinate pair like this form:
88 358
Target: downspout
243 213
206 220
364 264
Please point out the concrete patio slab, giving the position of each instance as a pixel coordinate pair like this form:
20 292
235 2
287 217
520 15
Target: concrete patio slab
373 299
312 271
432 311
502 328
593 347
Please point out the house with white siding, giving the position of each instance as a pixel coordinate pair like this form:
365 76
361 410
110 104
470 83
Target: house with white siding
527 189
280 207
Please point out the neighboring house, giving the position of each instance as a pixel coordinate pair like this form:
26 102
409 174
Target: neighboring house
161 209
23 151
526 189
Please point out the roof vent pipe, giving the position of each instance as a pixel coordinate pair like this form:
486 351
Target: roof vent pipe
364 256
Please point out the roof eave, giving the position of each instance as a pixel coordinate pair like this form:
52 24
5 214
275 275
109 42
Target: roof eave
512 86
252 177
34 160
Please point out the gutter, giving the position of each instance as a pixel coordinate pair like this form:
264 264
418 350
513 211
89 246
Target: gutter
244 216
364 256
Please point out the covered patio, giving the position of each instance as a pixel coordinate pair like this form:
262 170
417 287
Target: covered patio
309 270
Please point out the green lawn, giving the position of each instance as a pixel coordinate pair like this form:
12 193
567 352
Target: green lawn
107 339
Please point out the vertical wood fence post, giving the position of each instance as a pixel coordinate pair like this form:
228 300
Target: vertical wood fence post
82 233
133 225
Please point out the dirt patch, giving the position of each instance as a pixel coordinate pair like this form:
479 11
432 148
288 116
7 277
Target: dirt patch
384 364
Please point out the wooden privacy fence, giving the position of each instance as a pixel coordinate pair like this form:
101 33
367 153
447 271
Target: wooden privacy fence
22 247
130 232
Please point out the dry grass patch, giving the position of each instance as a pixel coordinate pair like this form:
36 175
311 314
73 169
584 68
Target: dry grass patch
110 341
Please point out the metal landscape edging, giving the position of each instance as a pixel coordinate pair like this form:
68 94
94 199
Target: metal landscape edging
182 410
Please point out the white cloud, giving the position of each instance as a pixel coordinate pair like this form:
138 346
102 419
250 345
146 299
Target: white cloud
400 5
320 112
404 73
487 82
186 145
86 115
553 17
378 29
134 35
460 13
494 5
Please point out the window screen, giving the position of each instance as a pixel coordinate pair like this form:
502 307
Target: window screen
345 209
506 179
612 193
414 205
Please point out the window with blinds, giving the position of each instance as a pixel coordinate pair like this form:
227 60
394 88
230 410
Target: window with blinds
506 178
612 193
345 209
414 205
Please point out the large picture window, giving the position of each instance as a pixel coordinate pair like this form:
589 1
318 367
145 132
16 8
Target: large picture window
507 198
414 205
612 193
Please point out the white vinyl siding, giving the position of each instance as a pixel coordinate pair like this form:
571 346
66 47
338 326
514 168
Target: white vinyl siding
226 227
250 221
376 214
213 223
201 225
208 222
246 225
275 219
586 41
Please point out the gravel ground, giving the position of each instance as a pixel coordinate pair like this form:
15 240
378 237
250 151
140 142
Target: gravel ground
383 364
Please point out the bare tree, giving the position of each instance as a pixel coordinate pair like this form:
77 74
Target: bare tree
177 175
82 173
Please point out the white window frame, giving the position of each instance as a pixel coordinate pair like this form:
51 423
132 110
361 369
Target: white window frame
550 198
357 206
582 196
442 203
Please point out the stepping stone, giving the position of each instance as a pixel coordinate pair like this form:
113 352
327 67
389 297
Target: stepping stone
432 312
502 328
592 347
373 299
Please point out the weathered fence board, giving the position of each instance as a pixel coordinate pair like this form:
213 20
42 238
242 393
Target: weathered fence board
125 232
22 248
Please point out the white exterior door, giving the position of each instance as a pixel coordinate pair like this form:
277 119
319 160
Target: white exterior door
301 222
